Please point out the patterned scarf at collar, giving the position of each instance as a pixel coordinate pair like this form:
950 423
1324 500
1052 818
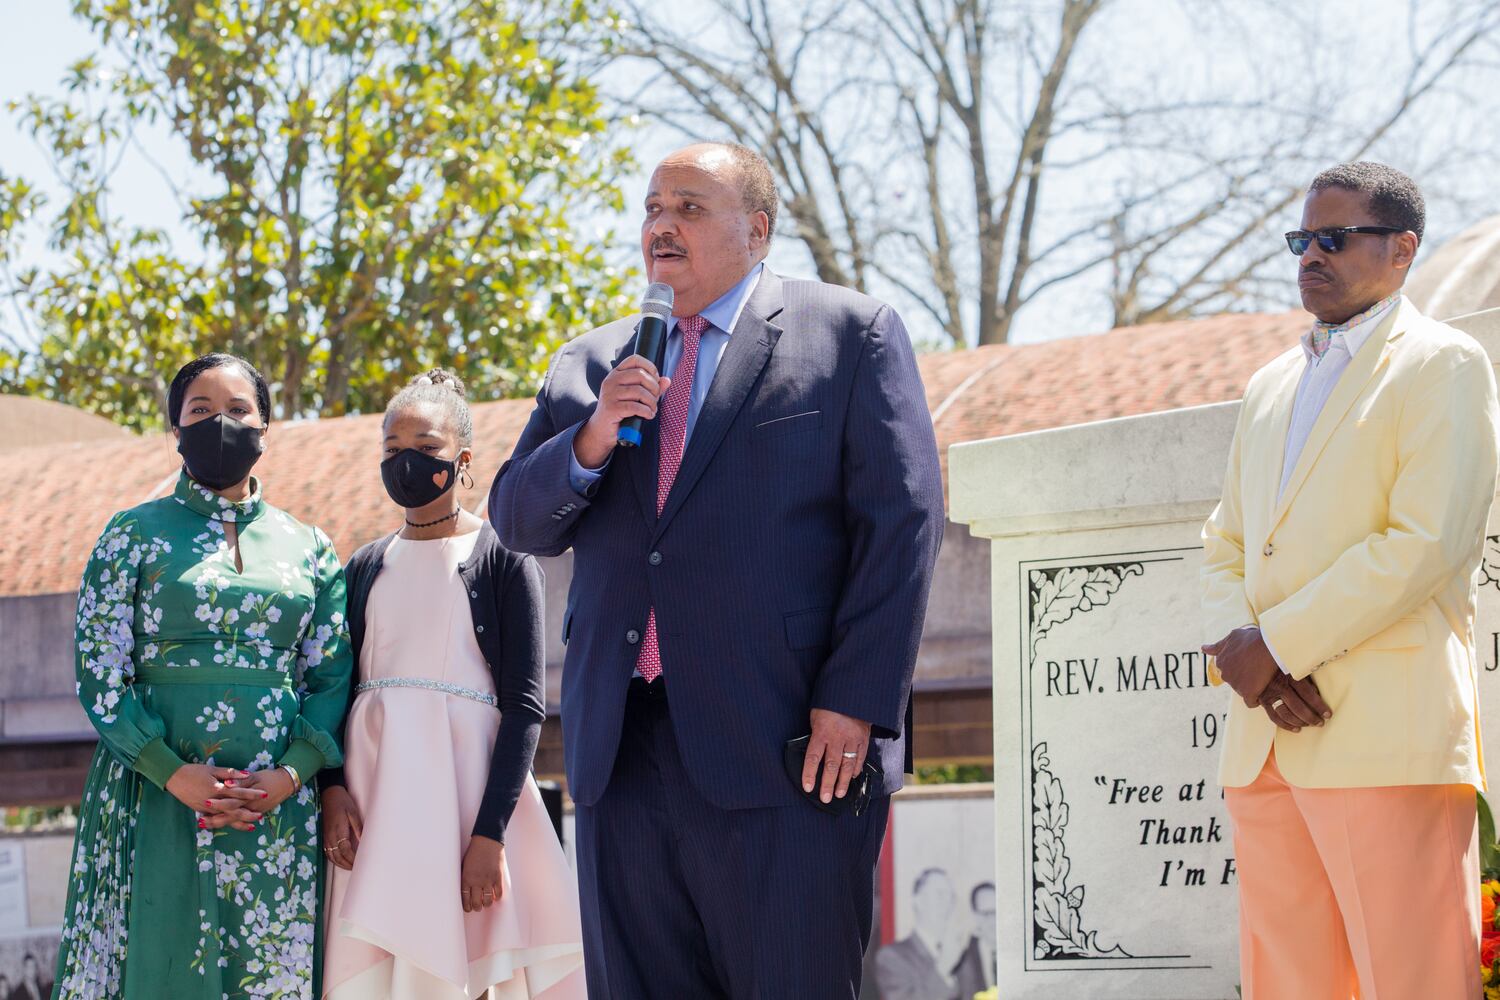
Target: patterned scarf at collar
201 499
1322 333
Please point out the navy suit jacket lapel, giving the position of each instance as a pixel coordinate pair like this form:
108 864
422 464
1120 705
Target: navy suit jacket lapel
750 345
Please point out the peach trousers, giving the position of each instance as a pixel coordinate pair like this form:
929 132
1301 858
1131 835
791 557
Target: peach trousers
1356 892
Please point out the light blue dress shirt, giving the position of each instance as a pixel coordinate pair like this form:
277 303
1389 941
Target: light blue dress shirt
722 314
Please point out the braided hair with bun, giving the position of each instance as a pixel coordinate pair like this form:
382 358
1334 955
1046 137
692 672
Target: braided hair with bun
446 390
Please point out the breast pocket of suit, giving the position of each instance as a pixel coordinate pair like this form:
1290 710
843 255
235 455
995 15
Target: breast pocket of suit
776 428
791 444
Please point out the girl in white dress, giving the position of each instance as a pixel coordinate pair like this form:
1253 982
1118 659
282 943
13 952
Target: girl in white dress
448 881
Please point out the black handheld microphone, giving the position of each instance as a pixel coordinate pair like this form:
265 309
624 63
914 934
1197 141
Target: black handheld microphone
651 344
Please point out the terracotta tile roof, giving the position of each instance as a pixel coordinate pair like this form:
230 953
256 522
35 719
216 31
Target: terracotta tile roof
29 421
55 500
1011 389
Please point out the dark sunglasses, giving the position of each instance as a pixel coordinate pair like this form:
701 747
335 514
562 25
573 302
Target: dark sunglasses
1332 240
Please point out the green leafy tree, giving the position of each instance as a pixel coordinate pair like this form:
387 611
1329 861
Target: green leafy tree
379 186
17 203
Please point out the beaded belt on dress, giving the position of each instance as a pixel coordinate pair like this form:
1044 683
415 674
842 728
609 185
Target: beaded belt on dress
430 685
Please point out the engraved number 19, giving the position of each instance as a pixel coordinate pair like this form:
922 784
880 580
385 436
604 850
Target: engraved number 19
1205 731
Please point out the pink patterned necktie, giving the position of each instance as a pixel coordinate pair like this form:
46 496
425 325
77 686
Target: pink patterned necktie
673 417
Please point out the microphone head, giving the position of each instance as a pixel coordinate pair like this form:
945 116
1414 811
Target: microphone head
658 301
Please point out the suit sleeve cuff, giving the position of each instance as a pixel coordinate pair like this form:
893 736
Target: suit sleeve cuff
885 720
1296 649
156 763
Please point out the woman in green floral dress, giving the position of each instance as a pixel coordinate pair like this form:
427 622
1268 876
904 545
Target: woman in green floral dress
213 660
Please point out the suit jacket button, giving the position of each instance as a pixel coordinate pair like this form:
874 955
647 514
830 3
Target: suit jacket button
632 637
479 628
473 593
1269 550
654 559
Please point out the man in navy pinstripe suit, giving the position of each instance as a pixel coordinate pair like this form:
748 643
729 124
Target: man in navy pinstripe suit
756 570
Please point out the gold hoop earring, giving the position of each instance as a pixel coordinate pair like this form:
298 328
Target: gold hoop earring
466 479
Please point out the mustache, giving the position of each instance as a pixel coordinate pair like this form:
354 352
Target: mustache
662 243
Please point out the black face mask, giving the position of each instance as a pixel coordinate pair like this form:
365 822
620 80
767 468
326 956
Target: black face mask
219 451
412 477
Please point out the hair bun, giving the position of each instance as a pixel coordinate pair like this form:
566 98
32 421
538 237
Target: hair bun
443 377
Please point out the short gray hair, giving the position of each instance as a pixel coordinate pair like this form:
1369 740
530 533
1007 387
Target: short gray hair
757 182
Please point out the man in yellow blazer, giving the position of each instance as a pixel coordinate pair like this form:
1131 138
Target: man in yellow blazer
1339 584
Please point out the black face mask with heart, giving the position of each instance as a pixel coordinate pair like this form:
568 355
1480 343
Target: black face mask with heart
219 451
415 479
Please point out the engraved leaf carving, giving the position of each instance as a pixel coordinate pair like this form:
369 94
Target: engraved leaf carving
1489 564
1059 594
1057 920
1056 908
1052 863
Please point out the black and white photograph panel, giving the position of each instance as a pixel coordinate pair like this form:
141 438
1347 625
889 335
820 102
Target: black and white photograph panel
935 929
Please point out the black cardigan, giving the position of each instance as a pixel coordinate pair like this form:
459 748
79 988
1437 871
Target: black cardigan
506 593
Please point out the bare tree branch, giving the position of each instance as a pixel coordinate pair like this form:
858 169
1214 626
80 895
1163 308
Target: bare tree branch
975 155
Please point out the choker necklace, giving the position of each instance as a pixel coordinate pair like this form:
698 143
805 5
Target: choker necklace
429 524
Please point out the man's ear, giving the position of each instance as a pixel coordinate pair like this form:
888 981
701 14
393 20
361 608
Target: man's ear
1406 249
760 227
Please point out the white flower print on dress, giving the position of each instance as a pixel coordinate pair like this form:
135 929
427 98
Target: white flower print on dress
271 729
162 592
214 716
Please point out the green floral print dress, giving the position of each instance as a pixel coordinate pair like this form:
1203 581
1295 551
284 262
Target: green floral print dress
182 658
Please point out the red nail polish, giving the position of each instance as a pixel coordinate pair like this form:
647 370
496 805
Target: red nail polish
202 825
209 803
264 793
229 783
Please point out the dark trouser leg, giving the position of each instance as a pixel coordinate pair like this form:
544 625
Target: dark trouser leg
682 899
643 938
786 896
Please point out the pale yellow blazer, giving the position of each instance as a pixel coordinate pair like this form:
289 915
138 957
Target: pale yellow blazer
1363 574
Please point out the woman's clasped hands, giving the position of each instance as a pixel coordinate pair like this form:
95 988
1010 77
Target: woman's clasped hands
228 797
